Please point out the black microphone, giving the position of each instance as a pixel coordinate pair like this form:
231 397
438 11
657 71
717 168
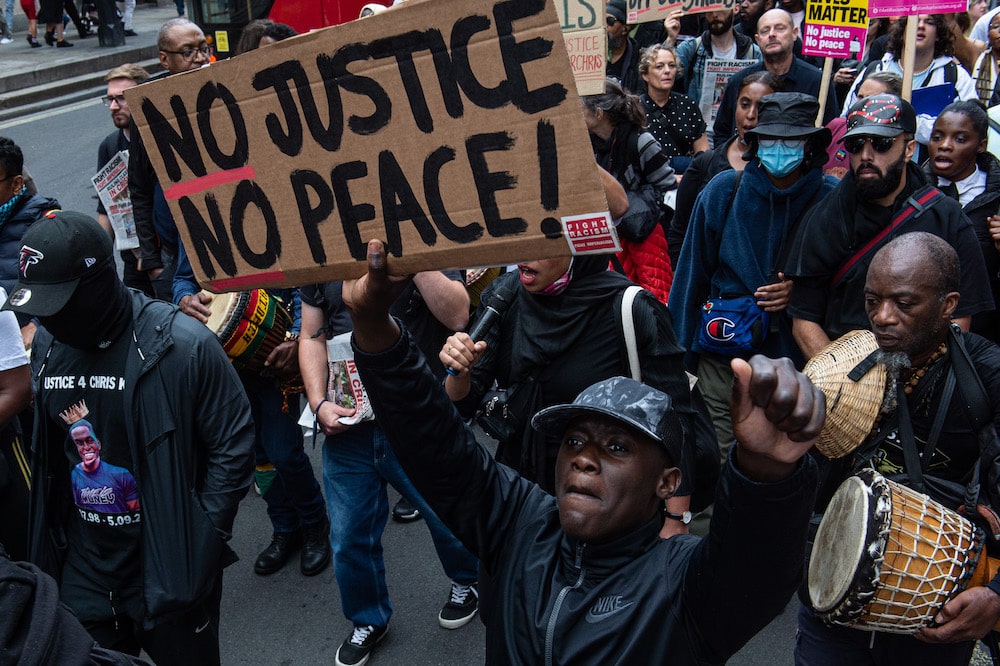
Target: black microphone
499 302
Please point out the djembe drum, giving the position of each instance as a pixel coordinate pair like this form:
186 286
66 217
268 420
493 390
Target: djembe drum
250 324
886 557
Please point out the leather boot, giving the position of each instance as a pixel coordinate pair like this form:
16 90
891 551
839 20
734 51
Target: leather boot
272 558
315 548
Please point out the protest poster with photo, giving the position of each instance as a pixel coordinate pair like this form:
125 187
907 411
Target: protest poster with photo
343 386
718 71
835 28
450 129
111 183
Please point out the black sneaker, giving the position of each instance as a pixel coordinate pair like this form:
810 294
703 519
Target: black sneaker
357 648
461 607
404 512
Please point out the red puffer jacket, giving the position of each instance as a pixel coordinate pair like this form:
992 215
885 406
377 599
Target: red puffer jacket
646 263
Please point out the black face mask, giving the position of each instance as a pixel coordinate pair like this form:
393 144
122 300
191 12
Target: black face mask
97 313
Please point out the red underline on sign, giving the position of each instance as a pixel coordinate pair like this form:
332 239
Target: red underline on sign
239 281
197 185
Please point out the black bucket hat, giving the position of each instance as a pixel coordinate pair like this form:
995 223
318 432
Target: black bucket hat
788 115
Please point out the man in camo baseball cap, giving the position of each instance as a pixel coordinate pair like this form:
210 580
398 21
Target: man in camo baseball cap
640 407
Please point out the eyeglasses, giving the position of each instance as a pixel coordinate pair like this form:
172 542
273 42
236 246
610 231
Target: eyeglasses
190 53
771 142
611 21
118 99
880 144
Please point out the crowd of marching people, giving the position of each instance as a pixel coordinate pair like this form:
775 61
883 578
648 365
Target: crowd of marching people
663 478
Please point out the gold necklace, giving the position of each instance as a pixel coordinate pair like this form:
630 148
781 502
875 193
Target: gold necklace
918 374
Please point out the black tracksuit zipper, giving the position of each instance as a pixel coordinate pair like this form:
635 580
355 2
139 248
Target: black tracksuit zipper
550 630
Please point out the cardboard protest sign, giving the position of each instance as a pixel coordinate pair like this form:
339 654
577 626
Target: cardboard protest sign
582 23
835 28
450 129
644 11
880 8
588 54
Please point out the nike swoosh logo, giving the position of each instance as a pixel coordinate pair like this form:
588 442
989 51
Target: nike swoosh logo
594 618
203 627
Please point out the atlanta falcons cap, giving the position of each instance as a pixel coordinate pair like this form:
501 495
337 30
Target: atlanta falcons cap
56 252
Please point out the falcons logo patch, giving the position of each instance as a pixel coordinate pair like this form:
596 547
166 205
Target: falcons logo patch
28 257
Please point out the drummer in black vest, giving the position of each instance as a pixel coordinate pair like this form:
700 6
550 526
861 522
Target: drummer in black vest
910 297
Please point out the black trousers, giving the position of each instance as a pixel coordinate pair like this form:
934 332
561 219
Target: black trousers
190 638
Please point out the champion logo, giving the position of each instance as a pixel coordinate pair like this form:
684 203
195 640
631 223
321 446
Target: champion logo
89 261
720 328
28 257
607 606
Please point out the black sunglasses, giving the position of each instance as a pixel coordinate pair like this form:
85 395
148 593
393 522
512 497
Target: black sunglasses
880 144
611 21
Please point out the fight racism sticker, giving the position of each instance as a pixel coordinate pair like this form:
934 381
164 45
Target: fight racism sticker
591 234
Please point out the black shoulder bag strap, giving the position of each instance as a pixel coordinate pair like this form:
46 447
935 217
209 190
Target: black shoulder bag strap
910 456
916 204
977 408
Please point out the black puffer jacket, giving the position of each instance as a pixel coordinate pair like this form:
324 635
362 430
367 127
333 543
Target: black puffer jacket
191 438
638 600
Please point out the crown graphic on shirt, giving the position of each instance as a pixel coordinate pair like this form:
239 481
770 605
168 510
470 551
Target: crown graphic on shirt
74 413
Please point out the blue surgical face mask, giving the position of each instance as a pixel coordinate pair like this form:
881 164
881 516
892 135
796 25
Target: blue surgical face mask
781 156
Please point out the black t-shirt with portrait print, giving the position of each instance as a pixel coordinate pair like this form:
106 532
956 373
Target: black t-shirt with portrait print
84 391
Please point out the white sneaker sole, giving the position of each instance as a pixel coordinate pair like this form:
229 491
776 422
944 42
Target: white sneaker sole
455 624
364 661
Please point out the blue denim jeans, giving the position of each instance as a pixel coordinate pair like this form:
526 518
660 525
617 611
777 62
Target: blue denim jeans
8 17
817 644
357 464
294 498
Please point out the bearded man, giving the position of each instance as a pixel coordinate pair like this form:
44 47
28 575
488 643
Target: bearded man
883 196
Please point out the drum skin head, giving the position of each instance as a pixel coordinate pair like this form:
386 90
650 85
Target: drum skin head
221 306
886 557
839 545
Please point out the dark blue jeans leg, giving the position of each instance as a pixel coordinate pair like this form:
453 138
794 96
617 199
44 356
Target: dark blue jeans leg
359 508
459 564
281 438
